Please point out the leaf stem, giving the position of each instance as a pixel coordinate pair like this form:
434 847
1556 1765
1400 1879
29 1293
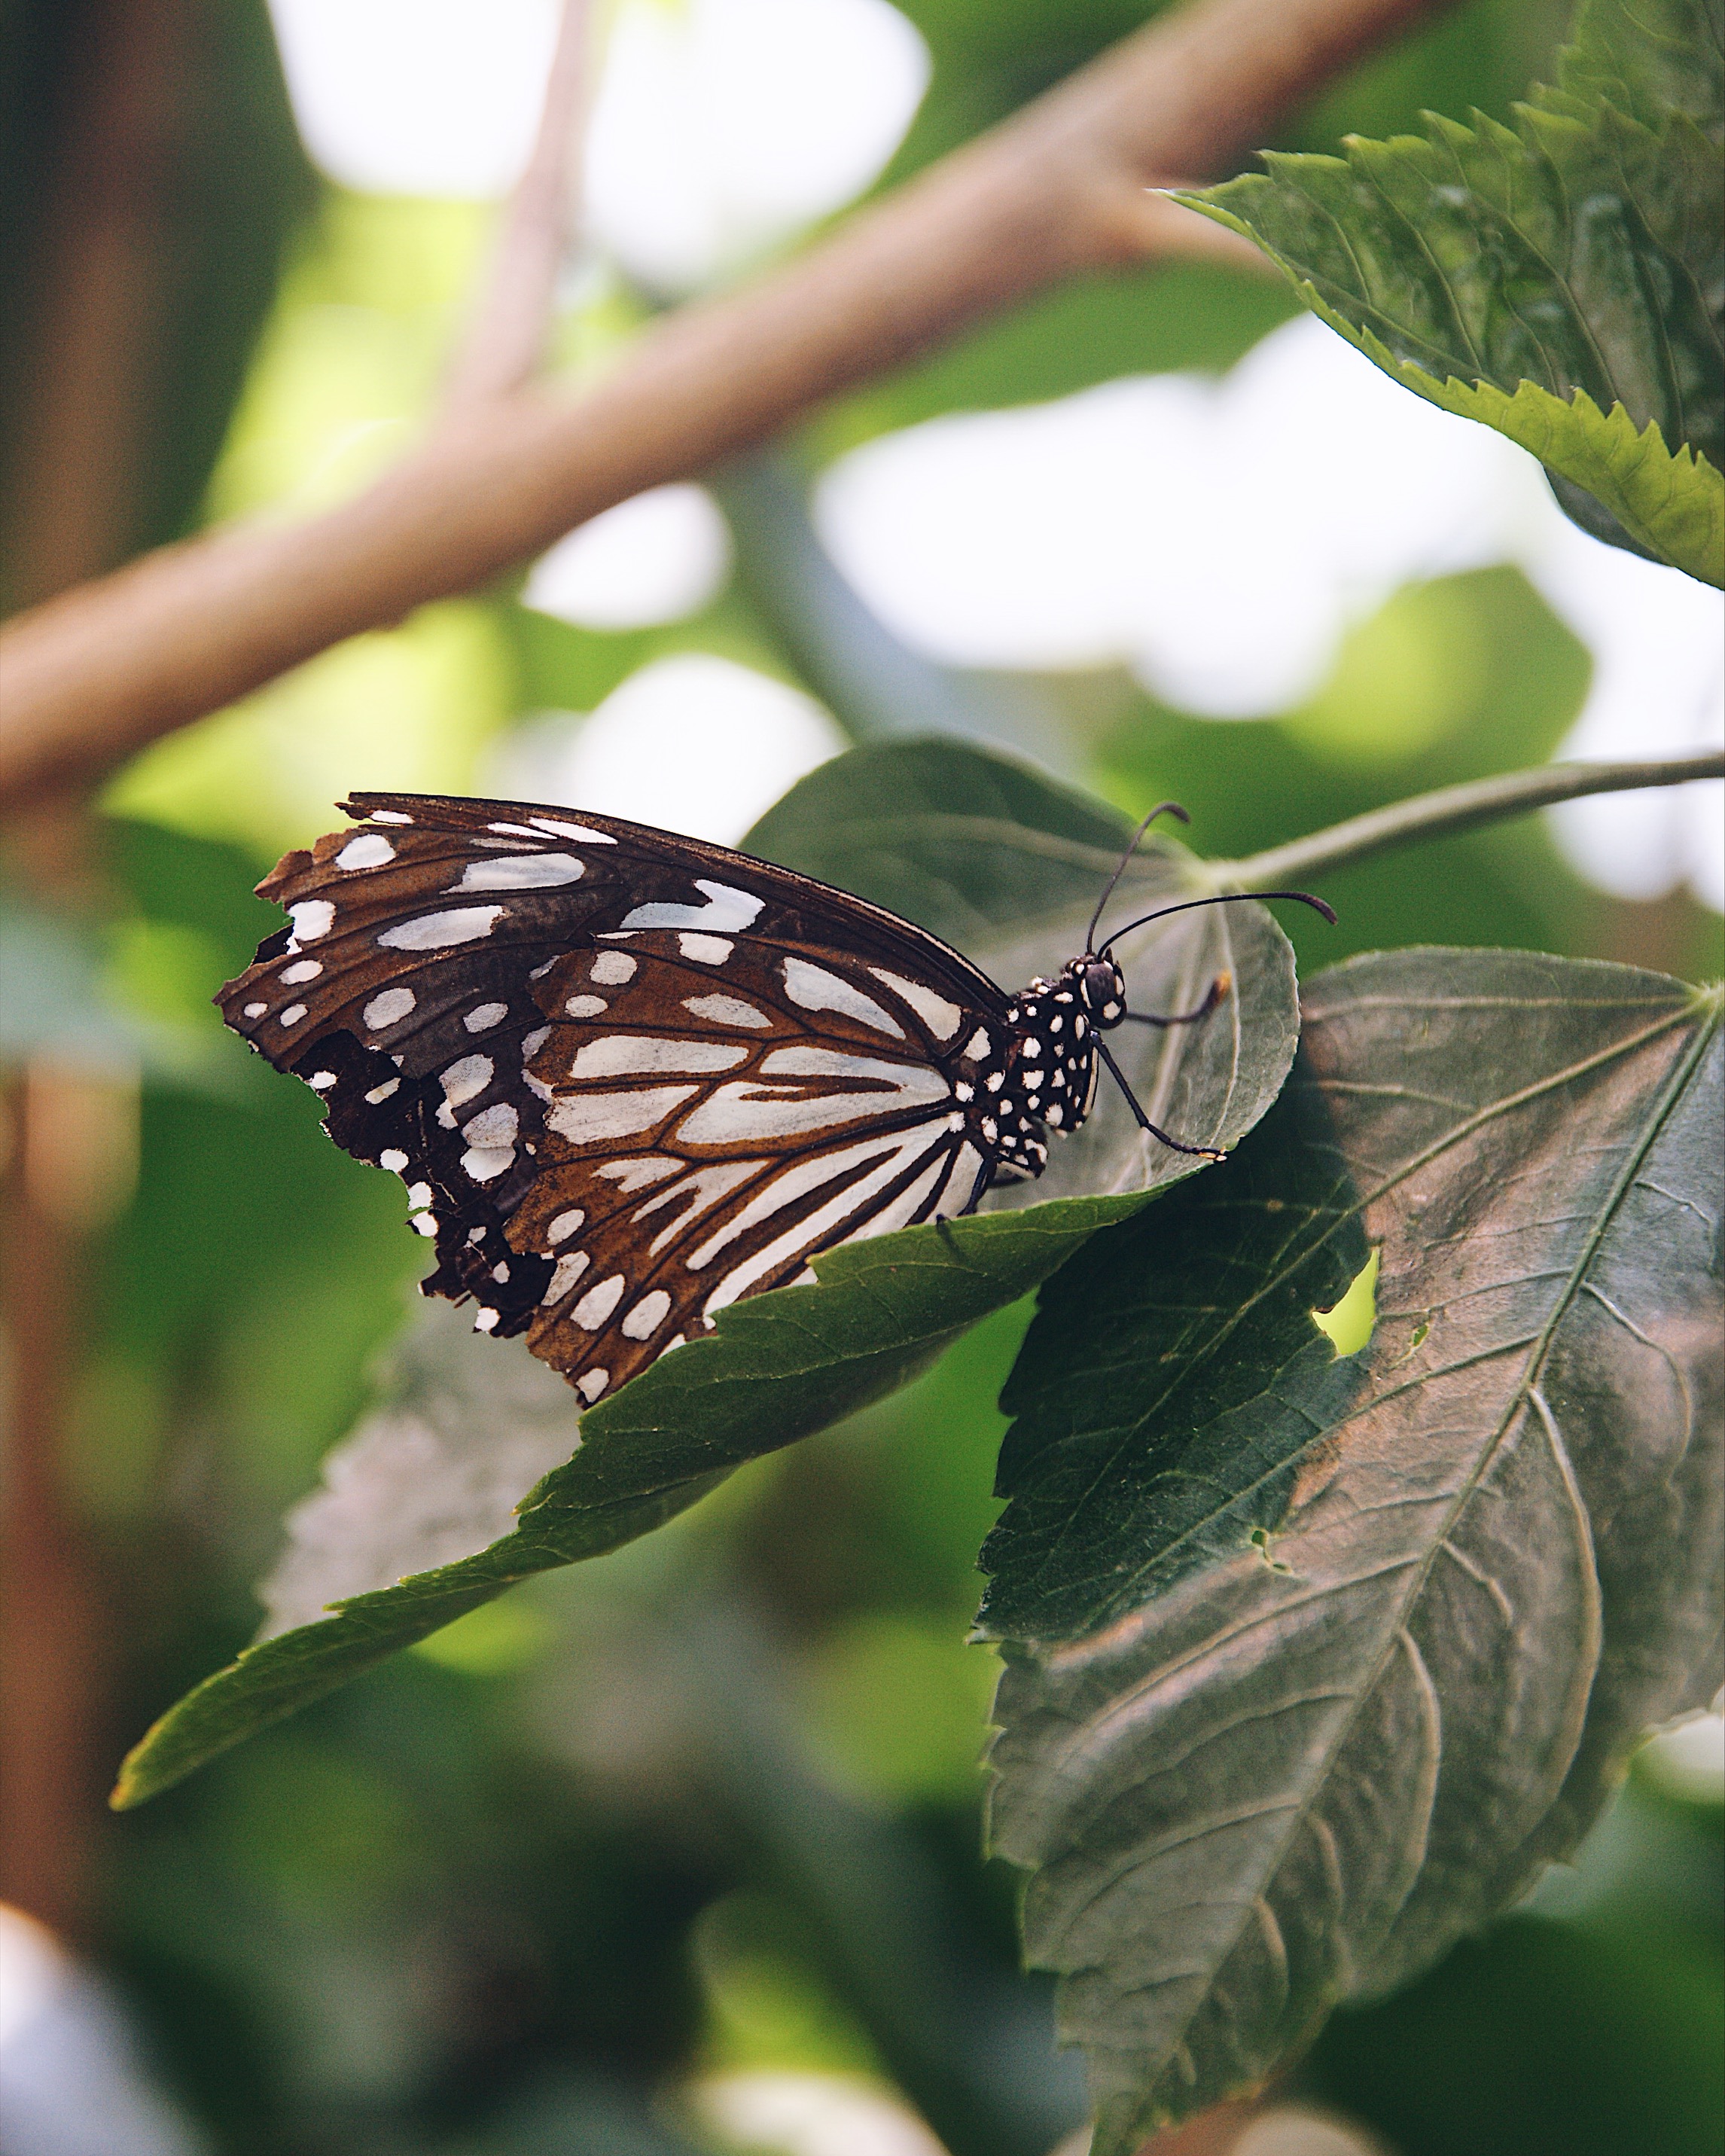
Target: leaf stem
1460 808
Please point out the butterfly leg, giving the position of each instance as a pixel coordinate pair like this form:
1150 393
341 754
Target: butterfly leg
1174 1145
1218 988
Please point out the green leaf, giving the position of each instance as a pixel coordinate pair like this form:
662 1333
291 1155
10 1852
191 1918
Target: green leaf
1313 1661
1562 281
1007 865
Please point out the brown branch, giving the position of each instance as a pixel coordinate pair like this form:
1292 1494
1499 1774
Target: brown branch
71 1133
506 344
1055 190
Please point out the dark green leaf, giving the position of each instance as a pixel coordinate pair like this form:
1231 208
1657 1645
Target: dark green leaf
992 855
1313 1661
1563 280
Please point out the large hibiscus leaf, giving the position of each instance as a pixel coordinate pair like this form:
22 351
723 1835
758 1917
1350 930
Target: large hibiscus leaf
1313 1660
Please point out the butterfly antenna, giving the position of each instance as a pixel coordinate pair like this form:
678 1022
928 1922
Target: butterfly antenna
1161 808
1221 898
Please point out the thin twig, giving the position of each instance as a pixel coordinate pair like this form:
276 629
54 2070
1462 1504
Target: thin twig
505 343
1461 809
1055 190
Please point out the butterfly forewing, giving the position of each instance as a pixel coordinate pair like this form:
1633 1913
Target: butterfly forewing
628 1077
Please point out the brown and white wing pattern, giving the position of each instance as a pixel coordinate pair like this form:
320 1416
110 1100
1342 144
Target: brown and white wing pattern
716 1110
627 1077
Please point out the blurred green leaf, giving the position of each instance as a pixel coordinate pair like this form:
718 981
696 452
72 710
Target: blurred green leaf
51 999
1313 1661
1562 281
1591 2023
994 856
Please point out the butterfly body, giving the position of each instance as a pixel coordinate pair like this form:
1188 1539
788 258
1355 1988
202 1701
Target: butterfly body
629 1077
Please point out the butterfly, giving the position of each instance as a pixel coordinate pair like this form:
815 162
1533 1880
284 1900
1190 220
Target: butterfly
629 1077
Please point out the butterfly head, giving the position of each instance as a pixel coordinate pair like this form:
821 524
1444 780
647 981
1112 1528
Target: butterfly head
1101 989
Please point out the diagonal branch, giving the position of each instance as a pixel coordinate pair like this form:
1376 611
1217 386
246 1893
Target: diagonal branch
1057 189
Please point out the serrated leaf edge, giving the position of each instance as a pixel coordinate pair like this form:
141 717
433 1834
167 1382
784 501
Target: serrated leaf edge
1531 417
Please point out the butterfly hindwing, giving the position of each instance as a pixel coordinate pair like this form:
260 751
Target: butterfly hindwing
717 1109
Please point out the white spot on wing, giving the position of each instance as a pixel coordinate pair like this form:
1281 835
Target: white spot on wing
311 918
978 1047
565 1224
394 1159
814 989
484 1016
292 1014
389 816
636 1174
379 1094
436 931
596 1304
255 1010
649 1314
586 1006
495 1126
620 1054
564 1276
942 1018
462 1081
705 950
486 1322
725 1010
591 1383
563 830
726 907
521 872
387 1007
485 1164
301 971
611 969
585 1118
370 851
321 1081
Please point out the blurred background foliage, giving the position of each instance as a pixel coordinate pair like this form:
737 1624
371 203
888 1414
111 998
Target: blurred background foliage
611 1862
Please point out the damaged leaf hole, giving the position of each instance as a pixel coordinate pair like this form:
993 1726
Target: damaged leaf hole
1348 1324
